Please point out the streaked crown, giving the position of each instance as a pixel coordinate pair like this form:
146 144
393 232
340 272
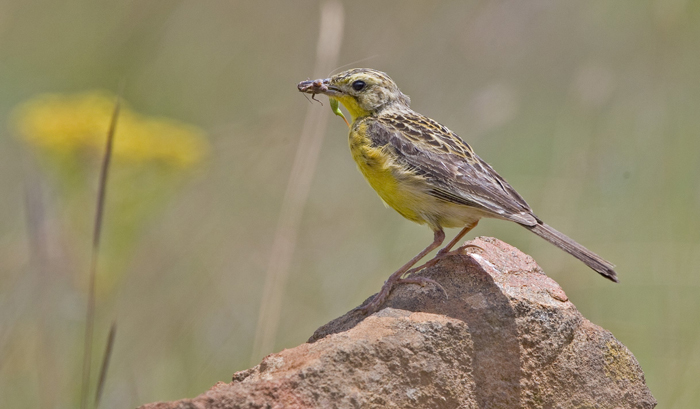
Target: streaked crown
370 90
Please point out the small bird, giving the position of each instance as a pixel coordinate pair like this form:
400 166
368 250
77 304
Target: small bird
426 172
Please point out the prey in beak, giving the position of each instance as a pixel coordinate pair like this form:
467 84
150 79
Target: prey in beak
319 86
322 86
314 87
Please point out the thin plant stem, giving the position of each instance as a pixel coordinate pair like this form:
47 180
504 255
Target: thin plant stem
105 363
99 212
296 195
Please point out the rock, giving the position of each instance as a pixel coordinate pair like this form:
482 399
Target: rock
505 336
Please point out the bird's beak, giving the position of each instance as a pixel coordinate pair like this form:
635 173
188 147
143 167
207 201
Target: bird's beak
319 86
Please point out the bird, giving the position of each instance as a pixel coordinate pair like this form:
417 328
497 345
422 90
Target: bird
427 173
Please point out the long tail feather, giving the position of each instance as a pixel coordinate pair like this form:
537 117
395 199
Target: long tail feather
592 260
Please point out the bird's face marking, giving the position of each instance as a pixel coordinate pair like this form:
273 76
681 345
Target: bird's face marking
362 91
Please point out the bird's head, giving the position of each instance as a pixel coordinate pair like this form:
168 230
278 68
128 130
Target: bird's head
362 91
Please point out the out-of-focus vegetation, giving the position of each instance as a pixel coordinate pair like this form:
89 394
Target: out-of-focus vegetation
589 108
68 125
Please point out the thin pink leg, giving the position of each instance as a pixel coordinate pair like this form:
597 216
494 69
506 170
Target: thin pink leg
457 238
396 277
446 250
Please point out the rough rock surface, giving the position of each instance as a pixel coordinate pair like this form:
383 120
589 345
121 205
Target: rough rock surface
506 337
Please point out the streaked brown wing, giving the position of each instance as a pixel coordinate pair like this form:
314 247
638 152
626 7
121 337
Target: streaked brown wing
450 165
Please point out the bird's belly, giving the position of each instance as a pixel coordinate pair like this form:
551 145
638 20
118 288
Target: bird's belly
408 193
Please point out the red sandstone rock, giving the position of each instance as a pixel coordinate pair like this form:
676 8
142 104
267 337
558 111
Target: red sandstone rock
506 337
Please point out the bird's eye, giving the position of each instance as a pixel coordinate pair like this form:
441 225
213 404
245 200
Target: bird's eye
358 85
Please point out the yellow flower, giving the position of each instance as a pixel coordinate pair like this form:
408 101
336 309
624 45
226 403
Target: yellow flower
70 124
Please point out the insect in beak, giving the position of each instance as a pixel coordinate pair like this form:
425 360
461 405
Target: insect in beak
336 110
314 87
321 86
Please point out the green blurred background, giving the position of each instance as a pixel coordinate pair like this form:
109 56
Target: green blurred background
591 109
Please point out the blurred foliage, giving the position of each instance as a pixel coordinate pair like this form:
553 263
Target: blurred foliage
588 108
67 133
66 125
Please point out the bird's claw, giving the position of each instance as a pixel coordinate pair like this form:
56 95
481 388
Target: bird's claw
458 251
381 297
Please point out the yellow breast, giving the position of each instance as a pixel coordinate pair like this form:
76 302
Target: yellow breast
385 176
402 189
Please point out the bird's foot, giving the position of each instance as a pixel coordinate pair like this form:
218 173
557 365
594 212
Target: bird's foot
459 251
441 255
378 299
388 286
423 281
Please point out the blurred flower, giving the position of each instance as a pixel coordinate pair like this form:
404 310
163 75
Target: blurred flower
69 132
73 124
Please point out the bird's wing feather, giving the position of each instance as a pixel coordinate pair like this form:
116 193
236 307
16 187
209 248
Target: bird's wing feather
452 169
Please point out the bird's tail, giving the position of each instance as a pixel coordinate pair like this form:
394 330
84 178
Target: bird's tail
592 260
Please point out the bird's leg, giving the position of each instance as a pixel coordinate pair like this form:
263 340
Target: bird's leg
395 278
457 238
445 251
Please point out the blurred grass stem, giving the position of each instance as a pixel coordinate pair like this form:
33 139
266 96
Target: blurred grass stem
99 212
296 195
105 363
